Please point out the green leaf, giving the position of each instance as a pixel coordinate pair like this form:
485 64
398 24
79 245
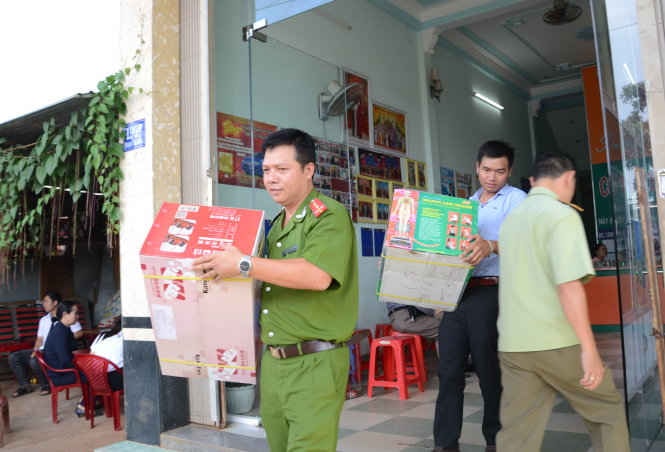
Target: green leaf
40 174
51 164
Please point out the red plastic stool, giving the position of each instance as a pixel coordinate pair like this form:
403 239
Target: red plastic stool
397 344
360 364
420 354
382 330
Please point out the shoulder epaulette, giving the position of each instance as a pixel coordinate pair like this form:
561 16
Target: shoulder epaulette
317 207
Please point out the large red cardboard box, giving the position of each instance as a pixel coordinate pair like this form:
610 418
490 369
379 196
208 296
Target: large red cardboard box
202 327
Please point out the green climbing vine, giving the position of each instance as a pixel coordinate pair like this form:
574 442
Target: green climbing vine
75 166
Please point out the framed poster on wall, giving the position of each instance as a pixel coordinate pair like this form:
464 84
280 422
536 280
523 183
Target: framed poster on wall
238 163
357 118
376 164
389 128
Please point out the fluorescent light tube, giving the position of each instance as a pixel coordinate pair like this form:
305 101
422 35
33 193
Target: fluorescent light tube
488 101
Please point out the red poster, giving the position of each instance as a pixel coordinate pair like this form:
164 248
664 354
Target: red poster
357 118
234 139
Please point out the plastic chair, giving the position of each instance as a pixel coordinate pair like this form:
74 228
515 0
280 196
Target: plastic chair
403 375
55 389
420 354
95 368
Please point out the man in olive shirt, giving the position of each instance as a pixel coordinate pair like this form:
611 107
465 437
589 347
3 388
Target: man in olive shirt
309 299
545 340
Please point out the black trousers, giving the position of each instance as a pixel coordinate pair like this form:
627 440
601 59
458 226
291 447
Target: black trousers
470 329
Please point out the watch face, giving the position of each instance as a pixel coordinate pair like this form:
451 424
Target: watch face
244 266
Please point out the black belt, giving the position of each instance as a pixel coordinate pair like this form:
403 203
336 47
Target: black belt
302 348
483 281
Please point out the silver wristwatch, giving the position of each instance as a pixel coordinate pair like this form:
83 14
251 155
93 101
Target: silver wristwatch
245 265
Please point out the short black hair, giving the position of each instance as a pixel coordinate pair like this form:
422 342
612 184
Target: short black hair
64 307
552 165
496 149
55 296
302 141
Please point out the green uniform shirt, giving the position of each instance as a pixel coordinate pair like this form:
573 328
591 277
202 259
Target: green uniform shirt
543 244
328 241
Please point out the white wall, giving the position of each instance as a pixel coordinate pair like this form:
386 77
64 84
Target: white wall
461 123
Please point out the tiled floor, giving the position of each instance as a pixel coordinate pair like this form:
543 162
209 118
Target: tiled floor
385 423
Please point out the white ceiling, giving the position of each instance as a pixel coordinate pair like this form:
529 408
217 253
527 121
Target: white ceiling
508 37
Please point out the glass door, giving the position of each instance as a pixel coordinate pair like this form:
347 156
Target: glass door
630 169
265 80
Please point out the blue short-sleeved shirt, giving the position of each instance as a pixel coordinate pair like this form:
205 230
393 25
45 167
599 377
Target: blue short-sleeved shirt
490 216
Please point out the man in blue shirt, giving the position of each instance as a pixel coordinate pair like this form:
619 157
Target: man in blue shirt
471 328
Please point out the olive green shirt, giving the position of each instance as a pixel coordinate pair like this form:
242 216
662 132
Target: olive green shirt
543 244
328 241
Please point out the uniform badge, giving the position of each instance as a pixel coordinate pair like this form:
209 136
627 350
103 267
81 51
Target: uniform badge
317 207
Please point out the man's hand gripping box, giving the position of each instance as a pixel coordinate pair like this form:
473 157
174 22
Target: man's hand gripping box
202 327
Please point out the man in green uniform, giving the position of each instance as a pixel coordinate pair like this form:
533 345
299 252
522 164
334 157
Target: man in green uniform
545 340
309 299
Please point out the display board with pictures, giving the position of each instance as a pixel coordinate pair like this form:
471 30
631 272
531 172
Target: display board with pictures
334 175
379 165
374 198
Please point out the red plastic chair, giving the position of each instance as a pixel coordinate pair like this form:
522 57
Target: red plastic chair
403 375
420 354
95 369
382 330
55 389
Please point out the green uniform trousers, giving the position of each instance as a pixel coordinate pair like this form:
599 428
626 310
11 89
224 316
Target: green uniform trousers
530 383
302 399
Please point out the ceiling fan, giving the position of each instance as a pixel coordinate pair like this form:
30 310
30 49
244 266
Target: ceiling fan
336 99
562 12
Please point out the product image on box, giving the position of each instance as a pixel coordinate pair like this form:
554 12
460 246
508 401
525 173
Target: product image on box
425 237
202 327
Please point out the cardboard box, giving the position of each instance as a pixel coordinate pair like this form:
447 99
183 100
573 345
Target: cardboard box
426 234
202 327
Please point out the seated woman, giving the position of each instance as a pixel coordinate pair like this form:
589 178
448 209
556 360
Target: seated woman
600 258
109 345
60 343
59 346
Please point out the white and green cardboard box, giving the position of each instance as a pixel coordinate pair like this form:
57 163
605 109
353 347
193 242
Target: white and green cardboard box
425 236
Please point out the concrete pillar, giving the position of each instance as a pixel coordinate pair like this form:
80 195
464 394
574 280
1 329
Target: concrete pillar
149 37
